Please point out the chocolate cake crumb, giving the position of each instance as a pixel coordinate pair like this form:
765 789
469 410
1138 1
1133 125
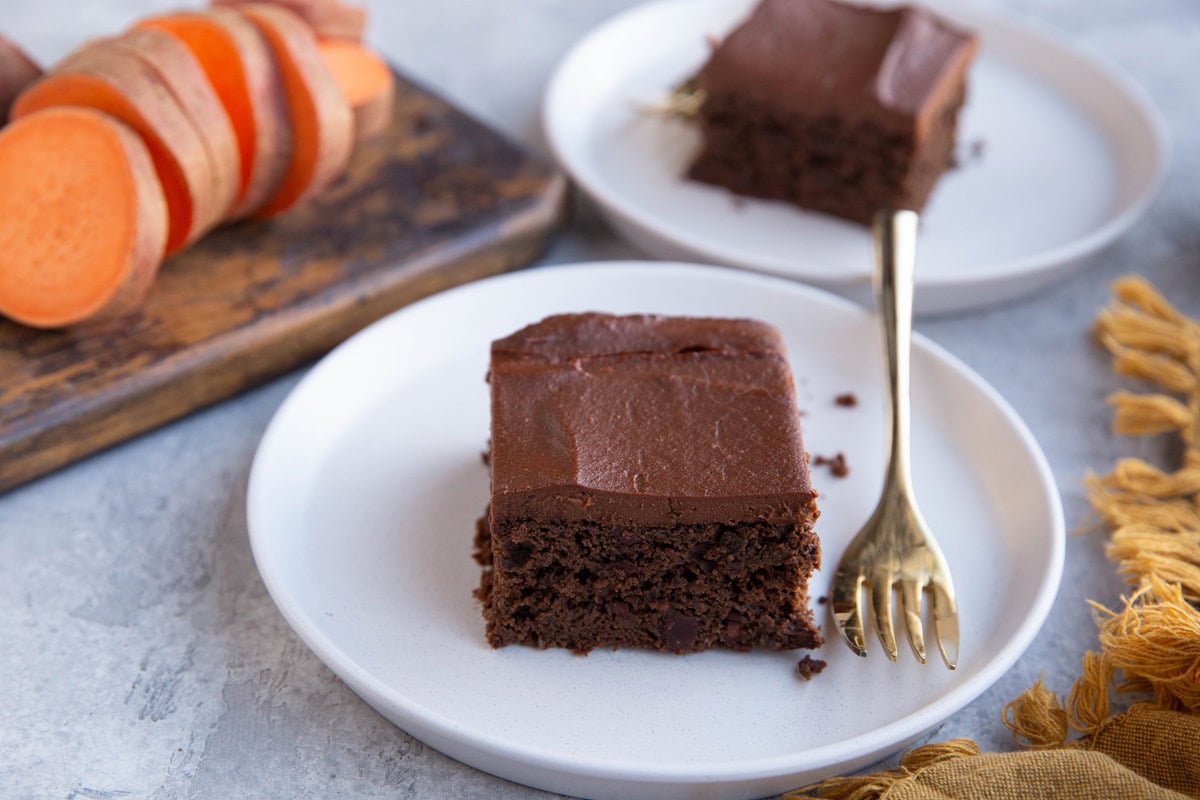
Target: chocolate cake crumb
810 666
486 457
836 463
482 548
846 400
822 600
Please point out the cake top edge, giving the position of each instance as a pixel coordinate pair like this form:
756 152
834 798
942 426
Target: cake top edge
830 56
570 337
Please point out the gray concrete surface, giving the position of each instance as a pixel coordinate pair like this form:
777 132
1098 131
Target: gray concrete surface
140 655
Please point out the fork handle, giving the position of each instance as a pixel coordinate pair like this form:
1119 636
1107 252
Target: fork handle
895 257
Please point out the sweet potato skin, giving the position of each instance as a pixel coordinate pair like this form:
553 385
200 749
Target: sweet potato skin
273 132
329 19
322 123
17 70
239 64
183 76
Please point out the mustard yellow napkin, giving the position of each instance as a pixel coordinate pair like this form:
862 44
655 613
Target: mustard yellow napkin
1150 648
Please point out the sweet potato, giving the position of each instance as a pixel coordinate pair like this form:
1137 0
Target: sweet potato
239 64
126 88
366 83
83 222
17 70
181 72
321 121
329 19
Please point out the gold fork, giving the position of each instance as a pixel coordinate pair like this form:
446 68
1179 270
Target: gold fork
895 546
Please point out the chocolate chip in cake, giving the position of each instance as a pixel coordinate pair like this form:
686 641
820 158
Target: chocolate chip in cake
619 609
679 631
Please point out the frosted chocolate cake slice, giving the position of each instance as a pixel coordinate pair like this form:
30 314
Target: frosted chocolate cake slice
834 107
649 488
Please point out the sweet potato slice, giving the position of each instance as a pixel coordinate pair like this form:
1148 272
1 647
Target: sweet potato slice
366 83
83 222
329 19
334 20
17 70
181 72
239 64
127 89
321 121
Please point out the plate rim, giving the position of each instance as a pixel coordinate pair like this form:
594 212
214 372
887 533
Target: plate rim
419 720
557 88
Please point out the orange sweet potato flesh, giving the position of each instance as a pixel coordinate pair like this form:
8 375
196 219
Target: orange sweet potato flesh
81 237
241 69
127 89
321 121
366 83
182 74
329 19
17 70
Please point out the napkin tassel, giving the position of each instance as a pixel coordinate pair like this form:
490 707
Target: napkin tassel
1154 641
1036 718
880 784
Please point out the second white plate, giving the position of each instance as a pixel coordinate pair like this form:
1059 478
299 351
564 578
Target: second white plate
1072 153
366 487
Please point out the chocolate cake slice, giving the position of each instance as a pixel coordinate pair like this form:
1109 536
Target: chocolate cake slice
649 488
834 107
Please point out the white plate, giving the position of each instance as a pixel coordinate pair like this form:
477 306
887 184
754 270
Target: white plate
1073 153
366 487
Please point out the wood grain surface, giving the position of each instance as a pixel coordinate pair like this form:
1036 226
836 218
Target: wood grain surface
435 201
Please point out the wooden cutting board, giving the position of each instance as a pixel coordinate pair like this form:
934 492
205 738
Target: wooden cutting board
435 201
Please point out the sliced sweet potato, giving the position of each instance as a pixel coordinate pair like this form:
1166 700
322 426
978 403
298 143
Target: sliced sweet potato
366 83
17 70
334 20
321 121
181 72
239 64
126 88
83 222
329 19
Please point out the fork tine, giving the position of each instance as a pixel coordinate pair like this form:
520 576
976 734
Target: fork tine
910 599
848 611
881 597
945 616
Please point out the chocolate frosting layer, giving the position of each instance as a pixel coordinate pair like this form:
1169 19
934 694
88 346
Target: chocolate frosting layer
646 420
815 57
